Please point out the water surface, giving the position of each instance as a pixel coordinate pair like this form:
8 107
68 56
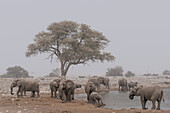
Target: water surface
117 100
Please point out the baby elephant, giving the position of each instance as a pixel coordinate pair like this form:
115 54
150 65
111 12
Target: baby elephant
152 93
95 98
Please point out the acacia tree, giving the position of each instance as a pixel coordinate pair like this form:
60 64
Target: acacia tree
71 43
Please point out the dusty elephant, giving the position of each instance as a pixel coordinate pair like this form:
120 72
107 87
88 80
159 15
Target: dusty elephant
66 89
96 81
151 93
122 84
132 85
89 88
95 98
25 85
104 81
54 87
75 87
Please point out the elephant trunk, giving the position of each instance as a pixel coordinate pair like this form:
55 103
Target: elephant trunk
131 96
12 90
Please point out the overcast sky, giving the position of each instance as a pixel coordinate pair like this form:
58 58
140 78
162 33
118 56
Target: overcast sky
139 31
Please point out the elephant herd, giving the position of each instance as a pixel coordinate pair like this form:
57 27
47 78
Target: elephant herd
66 89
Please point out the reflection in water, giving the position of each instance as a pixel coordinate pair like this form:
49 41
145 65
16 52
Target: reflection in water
117 100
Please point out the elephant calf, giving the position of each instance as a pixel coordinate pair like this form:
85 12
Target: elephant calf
152 93
95 98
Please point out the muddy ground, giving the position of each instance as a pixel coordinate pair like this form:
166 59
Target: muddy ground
45 104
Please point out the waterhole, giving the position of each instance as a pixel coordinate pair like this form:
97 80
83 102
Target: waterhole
120 100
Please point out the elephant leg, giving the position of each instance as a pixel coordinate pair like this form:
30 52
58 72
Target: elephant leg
69 96
18 92
143 102
159 102
153 104
51 93
38 94
119 88
55 94
21 90
73 96
64 97
24 93
33 94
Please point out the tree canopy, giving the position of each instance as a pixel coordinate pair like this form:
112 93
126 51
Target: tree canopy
16 72
71 43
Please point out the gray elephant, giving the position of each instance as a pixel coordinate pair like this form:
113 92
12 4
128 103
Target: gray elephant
25 85
132 85
95 98
75 87
99 80
152 93
122 84
96 80
66 89
89 88
54 87
105 82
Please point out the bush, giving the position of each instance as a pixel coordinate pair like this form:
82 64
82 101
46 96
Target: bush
117 71
129 74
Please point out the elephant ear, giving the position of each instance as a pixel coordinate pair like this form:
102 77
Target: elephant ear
19 82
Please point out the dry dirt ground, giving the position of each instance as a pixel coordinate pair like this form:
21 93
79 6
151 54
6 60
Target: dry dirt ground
45 104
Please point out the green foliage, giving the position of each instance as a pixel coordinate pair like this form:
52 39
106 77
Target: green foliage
117 71
16 72
129 74
71 43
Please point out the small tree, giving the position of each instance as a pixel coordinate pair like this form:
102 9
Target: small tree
117 71
16 72
129 74
71 44
54 73
166 72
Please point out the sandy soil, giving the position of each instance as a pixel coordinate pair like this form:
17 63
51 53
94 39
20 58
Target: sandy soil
45 104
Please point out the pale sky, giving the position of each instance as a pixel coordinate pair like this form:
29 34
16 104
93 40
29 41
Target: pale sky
139 31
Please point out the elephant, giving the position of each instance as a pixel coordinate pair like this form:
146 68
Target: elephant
89 88
132 85
25 85
123 84
95 98
105 82
96 80
151 93
75 87
100 80
66 89
54 87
